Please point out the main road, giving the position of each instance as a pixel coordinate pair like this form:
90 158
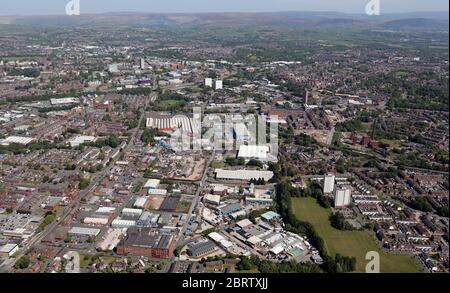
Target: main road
191 210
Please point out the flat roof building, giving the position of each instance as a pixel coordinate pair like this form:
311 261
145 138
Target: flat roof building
246 175
152 184
257 152
84 231
148 242
8 250
200 247
212 199
16 139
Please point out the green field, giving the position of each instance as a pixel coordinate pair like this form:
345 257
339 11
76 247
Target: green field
350 243
391 143
170 102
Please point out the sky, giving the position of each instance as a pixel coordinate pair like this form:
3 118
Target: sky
51 7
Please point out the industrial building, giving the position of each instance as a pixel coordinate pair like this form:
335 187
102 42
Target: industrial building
75 142
246 175
84 231
16 139
328 184
152 184
170 123
200 247
211 199
119 223
257 152
227 209
342 196
8 250
147 242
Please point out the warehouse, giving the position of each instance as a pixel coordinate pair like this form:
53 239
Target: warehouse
147 242
257 152
170 123
84 231
200 247
152 184
147 219
8 250
140 202
227 209
211 199
119 223
161 192
75 142
105 210
111 239
64 101
131 212
16 139
95 221
270 215
246 175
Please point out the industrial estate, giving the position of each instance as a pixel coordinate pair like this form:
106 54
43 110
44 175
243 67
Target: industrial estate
91 110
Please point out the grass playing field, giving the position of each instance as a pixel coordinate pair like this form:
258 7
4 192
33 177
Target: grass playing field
350 243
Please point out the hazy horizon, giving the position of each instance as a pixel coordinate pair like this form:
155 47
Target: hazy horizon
57 7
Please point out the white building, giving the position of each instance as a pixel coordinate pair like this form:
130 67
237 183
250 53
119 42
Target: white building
208 82
16 139
95 221
75 142
243 174
140 202
152 183
218 85
328 184
8 250
83 231
131 212
64 101
212 199
342 197
161 192
257 152
118 223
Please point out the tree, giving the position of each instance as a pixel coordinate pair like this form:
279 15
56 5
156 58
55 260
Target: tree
421 204
22 263
338 221
84 183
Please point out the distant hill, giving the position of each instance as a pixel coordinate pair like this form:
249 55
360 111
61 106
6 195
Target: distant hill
421 21
417 24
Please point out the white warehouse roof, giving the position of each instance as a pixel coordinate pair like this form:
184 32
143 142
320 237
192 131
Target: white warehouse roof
243 174
16 139
140 202
128 211
152 183
81 139
84 231
118 223
157 191
253 152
